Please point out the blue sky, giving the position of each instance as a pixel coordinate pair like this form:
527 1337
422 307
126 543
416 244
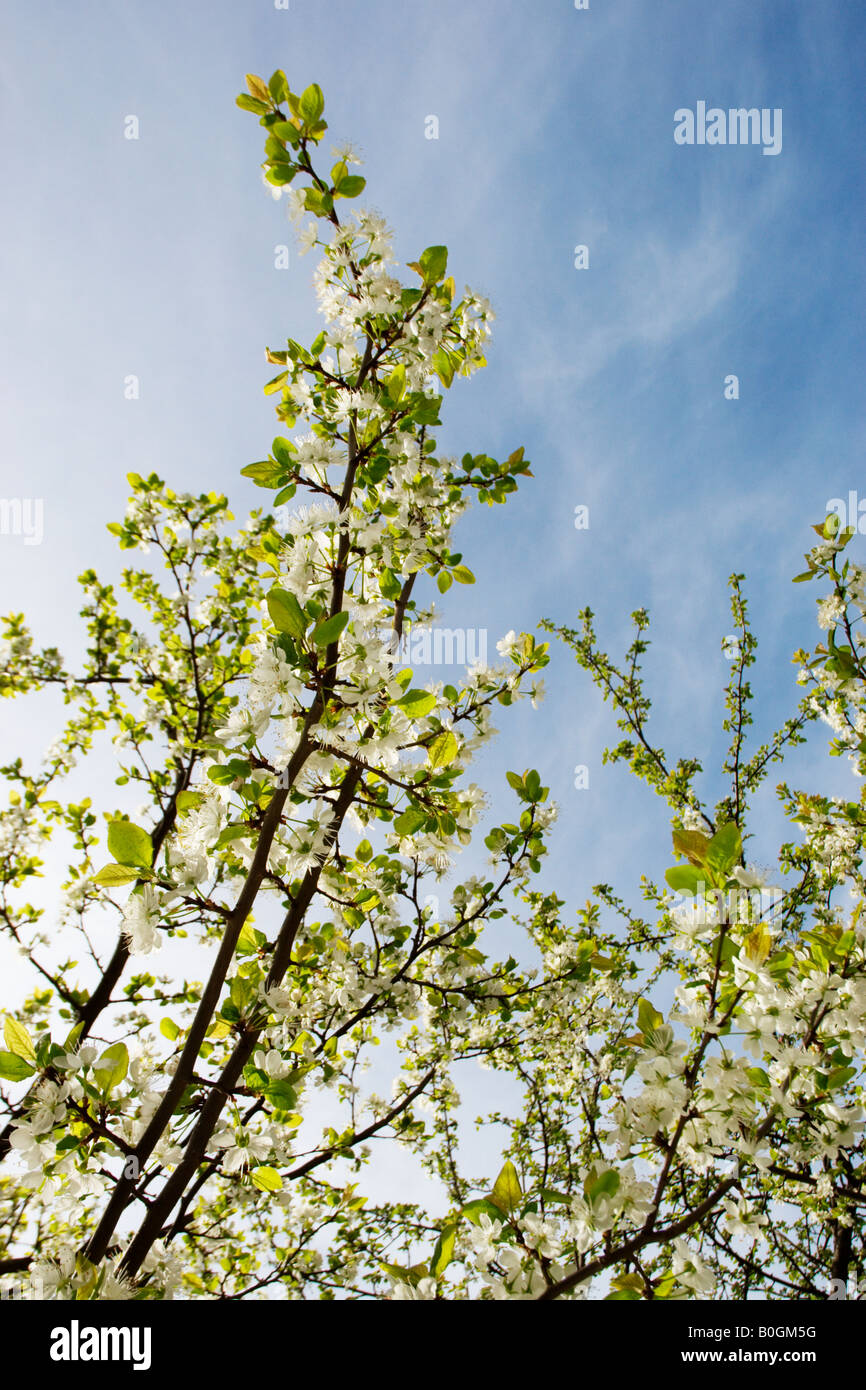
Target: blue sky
156 257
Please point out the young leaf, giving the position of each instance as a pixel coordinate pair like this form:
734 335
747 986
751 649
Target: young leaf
605 1186
648 1018
284 130
692 844
506 1194
129 844
389 584
685 878
248 103
443 749
725 848
433 263
283 451
351 186
258 88
281 1094
443 367
312 104
14 1068
111 1067
415 704
443 1251
278 87
482 1206
409 821
265 473
281 173
287 615
326 632
266 1179
115 875
18 1040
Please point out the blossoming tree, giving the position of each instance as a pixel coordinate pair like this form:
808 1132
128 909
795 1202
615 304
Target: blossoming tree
168 1137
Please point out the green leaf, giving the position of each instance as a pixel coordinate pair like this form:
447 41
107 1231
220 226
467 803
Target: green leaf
433 263
283 451
506 1194
364 852
444 582
443 750
648 1018
14 1068
444 1250
287 615
286 131
534 790
317 202
312 103
411 1276
169 1029
232 833
410 821
266 1179
247 103
415 704
326 632
265 473
758 1077
111 1067
114 875
692 844
607 1185
276 151
257 88
725 848
278 86
389 584
351 186
276 383
250 940
18 1040
685 878
396 383
443 367
839 1076
463 575
482 1206
281 1095
281 173
129 844
223 774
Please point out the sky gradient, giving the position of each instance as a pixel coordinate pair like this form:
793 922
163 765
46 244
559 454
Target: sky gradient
155 257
